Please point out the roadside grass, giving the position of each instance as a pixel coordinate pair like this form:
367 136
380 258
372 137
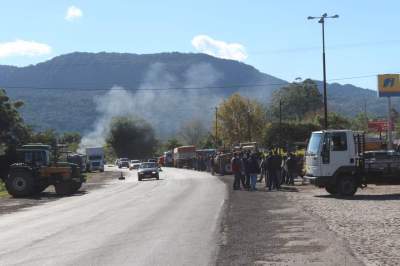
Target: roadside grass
3 190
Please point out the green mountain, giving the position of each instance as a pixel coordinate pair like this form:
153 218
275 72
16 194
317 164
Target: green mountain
72 92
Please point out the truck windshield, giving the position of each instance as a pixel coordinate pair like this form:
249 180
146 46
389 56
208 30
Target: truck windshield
95 157
313 145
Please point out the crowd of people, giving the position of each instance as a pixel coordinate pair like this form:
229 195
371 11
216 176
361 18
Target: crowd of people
273 168
249 168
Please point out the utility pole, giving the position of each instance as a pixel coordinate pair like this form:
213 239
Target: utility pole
248 121
322 21
216 127
389 125
280 124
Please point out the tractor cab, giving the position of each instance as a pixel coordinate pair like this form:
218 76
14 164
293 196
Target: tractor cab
34 155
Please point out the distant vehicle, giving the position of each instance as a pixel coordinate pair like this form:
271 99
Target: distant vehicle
79 159
134 164
338 161
152 160
168 159
184 156
95 158
123 162
161 161
148 170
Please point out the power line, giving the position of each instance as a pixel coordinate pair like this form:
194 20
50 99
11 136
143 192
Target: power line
117 87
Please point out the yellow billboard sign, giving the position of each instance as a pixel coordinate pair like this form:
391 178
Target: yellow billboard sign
389 85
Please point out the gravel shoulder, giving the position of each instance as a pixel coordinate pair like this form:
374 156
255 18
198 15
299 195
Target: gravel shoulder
95 180
272 228
369 222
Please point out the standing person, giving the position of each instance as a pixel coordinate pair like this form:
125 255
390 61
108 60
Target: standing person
253 170
263 169
246 170
278 169
235 165
271 171
242 170
212 164
291 164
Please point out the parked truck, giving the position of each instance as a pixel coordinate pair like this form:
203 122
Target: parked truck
184 156
338 161
95 157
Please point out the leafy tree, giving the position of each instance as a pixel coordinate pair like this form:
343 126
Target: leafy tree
335 121
240 119
13 131
193 132
207 142
360 122
286 134
70 137
131 138
49 136
296 99
172 143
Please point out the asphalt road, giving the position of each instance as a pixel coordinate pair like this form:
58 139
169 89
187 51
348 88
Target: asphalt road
172 221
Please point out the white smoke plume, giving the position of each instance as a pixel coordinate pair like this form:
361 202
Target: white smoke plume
165 110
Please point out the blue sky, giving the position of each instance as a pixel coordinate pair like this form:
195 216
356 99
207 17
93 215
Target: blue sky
273 36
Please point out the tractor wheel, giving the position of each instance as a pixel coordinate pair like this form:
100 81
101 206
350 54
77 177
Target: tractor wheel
331 189
346 186
20 184
64 188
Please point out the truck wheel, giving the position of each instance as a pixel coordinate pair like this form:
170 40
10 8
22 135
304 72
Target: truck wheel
64 188
139 178
331 189
346 186
20 184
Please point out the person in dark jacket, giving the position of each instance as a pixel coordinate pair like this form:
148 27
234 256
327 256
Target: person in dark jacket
253 170
291 164
246 169
278 168
235 166
271 171
263 168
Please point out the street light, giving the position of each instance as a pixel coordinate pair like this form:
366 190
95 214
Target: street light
322 21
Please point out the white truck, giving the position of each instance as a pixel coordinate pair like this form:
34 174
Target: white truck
95 156
337 161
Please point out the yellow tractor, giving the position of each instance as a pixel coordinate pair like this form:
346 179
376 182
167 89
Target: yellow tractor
37 168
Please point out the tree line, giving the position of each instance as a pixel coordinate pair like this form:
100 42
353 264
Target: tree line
289 117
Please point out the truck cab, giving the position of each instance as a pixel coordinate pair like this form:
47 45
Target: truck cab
331 158
95 158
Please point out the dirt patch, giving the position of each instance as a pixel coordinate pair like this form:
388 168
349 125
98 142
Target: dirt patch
9 204
270 228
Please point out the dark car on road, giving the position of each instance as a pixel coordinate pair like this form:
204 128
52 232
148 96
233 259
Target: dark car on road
148 170
123 162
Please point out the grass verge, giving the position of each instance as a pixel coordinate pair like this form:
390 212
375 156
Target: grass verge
3 190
